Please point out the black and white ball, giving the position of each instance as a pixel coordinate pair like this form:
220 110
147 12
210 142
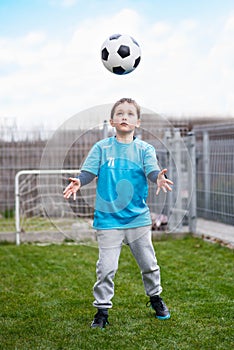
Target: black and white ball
120 54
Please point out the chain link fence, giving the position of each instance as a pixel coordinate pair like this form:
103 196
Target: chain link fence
215 172
210 175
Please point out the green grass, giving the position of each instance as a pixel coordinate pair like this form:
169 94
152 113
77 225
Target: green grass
46 299
37 224
7 225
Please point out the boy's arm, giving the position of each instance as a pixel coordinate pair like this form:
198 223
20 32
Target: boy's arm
84 178
161 179
88 172
153 171
153 176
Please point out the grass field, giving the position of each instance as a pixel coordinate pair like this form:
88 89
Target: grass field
46 299
38 224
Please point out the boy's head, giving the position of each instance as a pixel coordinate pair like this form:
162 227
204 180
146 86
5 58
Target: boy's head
128 100
125 116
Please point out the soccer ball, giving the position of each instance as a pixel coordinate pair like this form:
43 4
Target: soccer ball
120 54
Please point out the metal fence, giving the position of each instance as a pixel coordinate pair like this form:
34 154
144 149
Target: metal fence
212 147
215 172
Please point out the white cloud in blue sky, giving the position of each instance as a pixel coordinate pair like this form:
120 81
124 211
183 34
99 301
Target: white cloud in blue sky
50 65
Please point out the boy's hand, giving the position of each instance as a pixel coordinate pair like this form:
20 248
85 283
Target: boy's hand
163 183
72 188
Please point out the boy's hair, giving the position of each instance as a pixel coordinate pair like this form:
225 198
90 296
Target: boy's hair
129 100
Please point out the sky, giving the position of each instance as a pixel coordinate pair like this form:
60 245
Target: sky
51 69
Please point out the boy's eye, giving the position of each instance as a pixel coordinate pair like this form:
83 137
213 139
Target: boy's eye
120 114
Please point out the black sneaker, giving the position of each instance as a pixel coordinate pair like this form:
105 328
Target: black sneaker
100 319
162 312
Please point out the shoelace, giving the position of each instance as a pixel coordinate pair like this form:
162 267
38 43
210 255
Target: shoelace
158 302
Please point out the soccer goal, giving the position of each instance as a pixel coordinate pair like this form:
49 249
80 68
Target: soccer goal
40 208
41 212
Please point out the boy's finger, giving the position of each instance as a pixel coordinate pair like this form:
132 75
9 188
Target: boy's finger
169 188
170 182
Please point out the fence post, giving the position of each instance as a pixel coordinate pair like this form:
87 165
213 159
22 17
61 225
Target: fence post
167 140
192 206
206 167
176 211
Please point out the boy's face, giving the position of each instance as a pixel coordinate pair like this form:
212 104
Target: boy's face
125 118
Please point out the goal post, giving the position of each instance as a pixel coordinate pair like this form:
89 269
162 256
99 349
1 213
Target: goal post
39 194
18 191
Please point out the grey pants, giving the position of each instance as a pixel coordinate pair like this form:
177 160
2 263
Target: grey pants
110 244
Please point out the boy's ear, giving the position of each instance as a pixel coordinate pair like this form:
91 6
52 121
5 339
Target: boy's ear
111 122
138 124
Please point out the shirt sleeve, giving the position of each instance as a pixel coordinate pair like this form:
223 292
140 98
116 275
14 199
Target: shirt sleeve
150 160
85 177
93 160
153 176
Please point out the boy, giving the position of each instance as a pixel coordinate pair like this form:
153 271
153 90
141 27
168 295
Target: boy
122 165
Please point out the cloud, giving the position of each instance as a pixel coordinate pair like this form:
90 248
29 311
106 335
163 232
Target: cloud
187 68
63 3
68 3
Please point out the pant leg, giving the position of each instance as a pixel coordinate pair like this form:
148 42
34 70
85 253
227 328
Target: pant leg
110 244
143 251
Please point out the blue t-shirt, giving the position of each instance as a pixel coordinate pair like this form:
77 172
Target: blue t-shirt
122 187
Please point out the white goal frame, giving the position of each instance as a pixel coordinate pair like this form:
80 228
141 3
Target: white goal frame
17 193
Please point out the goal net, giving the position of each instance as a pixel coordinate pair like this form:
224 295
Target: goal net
41 212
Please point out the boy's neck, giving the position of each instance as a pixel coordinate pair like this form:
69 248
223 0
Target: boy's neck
124 138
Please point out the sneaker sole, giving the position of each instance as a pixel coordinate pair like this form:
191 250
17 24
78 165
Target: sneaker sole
163 317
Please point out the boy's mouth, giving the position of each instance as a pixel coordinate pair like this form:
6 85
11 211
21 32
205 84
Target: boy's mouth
124 124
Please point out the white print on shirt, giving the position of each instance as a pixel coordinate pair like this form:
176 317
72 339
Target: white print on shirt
111 161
